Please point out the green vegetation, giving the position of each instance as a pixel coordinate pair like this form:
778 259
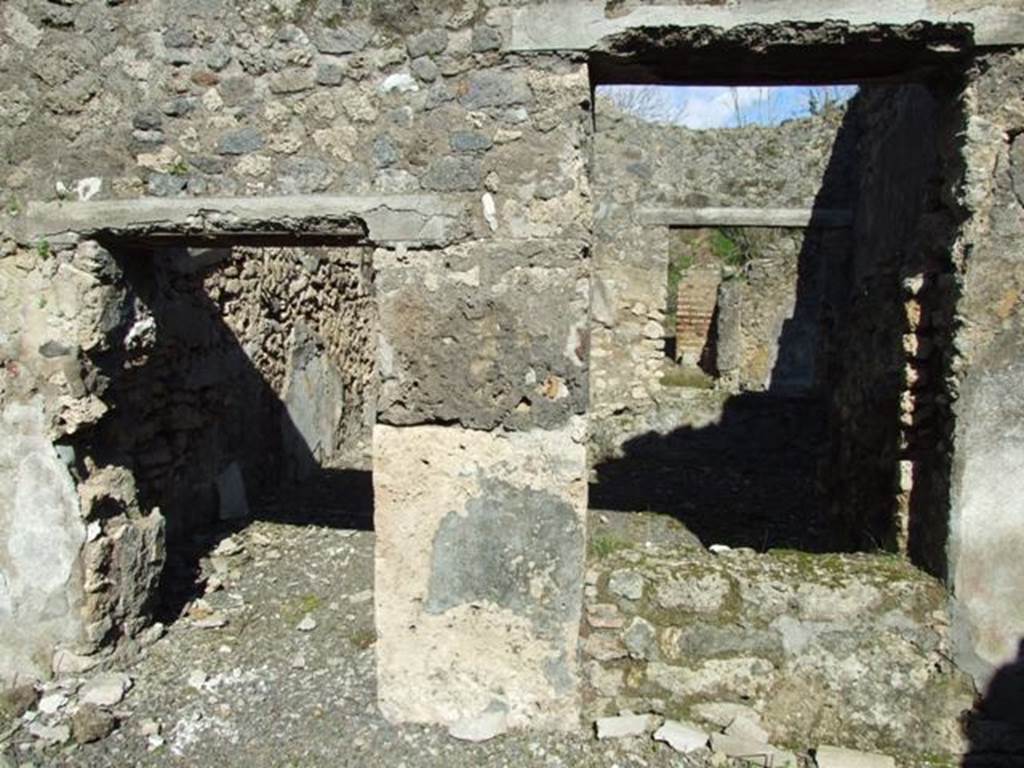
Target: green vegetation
180 168
734 246
363 638
605 544
309 603
301 606
43 249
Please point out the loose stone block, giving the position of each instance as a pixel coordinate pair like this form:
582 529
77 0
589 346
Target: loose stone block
681 736
623 726
837 757
479 573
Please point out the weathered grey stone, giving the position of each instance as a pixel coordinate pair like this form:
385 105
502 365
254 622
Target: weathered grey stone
700 639
240 142
700 594
395 180
428 42
490 723
41 534
385 152
178 38
439 93
106 689
452 632
745 676
755 752
640 639
304 175
626 583
347 39
425 69
50 734
495 88
682 736
470 141
747 728
179 107
236 90
313 396
838 757
293 80
147 120
217 56
452 174
622 726
486 38
90 723
139 554
166 184
329 73
148 137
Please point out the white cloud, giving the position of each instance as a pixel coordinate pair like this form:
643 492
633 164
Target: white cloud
717 106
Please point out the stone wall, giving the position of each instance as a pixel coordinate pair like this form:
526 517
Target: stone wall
808 649
793 165
776 310
219 375
482 322
885 417
484 347
985 523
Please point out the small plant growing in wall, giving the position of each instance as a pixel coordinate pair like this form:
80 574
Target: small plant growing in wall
43 250
737 246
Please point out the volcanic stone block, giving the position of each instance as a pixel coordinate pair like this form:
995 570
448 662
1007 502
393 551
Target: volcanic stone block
479 572
488 334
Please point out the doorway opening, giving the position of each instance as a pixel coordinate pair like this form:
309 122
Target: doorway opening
241 386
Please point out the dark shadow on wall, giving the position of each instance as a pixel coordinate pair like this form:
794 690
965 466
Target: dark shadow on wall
748 481
995 727
903 295
205 434
760 476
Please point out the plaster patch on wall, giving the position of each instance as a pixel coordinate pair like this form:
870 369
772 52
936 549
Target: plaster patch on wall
41 536
508 549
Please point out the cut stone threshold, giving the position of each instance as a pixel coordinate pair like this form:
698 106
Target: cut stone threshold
833 218
429 220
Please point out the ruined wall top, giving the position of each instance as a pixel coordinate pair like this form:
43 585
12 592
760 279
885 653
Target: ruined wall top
802 163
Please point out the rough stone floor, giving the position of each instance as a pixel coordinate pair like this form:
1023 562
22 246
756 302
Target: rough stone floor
275 667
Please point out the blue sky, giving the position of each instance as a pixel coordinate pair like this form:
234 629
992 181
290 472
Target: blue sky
720 106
